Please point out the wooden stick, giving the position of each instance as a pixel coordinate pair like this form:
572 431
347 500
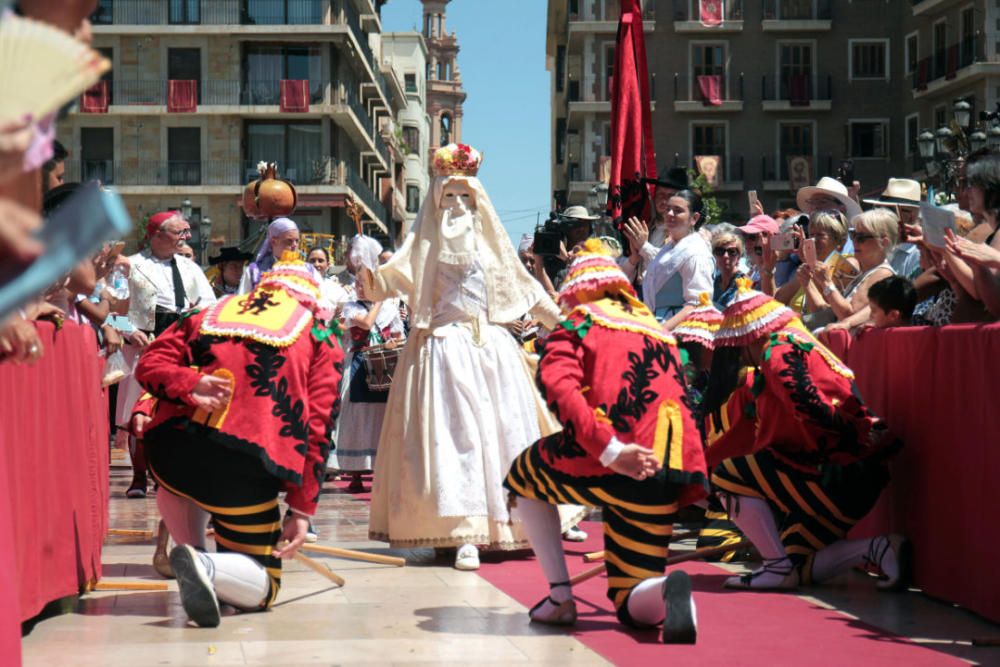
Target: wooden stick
673 560
319 568
354 555
593 556
105 585
130 532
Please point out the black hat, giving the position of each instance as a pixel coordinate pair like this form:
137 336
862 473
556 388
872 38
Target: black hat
230 254
675 179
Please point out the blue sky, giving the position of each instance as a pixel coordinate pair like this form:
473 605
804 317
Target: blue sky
506 114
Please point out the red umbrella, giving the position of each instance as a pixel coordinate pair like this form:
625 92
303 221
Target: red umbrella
632 156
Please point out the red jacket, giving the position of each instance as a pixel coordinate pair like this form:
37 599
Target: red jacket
284 399
607 373
804 407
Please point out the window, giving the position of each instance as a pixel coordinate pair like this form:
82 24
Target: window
940 116
264 66
708 60
560 68
869 139
97 154
412 198
271 12
795 66
410 81
912 52
708 139
869 59
296 147
793 10
607 82
185 64
560 140
183 156
912 132
794 140
967 47
104 14
411 137
445 129
938 46
185 12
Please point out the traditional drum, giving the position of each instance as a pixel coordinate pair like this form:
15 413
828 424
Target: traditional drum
381 363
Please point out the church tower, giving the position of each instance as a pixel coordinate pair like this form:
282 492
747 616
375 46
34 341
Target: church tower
444 81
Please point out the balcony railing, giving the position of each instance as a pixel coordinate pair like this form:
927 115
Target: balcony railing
210 12
797 10
381 147
611 11
945 63
351 99
699 89
210 91
797 89
178 172
689 10
361 188
353 21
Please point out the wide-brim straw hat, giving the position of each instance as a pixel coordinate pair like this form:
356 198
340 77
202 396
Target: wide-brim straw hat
833 188
903 192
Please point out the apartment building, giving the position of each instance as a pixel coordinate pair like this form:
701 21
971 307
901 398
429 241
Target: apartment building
781 91
202 90
409 55
445 93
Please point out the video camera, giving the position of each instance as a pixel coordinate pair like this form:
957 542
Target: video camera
557 229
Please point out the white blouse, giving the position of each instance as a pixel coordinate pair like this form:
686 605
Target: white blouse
691 257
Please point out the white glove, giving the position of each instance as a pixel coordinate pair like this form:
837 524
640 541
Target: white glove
365 251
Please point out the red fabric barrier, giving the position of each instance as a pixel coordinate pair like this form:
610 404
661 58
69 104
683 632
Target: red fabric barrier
935 388
53 474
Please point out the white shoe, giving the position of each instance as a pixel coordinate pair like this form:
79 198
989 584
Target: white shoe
776 574
311 534
467 558
574 534
195 584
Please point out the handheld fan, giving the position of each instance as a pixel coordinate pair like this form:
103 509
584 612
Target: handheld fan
43 68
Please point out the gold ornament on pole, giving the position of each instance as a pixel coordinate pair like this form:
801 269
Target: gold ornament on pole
355 211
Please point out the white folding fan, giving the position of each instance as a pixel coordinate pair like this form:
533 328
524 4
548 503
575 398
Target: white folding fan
42 68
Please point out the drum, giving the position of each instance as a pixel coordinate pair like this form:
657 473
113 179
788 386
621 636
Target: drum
381 361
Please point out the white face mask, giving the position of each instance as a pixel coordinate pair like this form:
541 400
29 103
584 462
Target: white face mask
457 218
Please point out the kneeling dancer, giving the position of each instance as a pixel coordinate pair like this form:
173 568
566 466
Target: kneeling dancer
810 459
629 445
243 395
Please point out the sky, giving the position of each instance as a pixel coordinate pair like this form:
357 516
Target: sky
506 112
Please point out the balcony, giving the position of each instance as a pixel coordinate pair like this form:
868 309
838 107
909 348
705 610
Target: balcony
953 67
797 16
210 12
688 19
592 20
731 178
365 195
774 173
707 94
797 92
211 92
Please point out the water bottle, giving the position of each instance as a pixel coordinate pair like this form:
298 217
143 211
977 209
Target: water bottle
118 284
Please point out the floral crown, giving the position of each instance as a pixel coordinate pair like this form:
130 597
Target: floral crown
457 160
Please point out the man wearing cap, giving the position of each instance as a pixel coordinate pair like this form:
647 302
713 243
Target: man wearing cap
753 233
162 285
902 195
230 261
634 262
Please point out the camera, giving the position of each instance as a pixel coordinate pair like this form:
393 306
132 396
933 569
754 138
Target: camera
555 230
845 173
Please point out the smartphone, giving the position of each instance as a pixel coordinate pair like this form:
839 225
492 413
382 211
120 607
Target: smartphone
116 249
785 241
752 200
809 252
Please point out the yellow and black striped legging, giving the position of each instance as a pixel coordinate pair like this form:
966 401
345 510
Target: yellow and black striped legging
812 511
638 517
234 488
719 531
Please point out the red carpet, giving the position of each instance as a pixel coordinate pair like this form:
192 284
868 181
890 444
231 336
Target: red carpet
735 628
340 486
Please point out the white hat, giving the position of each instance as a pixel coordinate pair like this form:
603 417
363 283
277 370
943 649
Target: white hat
578 213
830 187
899 192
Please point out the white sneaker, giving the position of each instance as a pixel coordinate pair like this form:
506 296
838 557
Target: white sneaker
467 558
574 534
195 584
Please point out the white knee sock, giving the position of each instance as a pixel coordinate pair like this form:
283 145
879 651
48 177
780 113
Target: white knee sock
541 525
186 522
839 557
754 517
239 580
645 602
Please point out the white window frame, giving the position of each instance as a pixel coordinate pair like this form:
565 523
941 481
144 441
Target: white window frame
813 76
777 142
906 133
725 156
906 51
886 141
885 53
692 45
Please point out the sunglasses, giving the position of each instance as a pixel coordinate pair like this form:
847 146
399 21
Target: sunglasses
860 237
732 252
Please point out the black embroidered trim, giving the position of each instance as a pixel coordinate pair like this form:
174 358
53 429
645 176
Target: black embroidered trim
262 374
636 396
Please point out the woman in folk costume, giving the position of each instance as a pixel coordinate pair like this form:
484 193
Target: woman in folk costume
629 445
463 403
362 410
804 458
243 397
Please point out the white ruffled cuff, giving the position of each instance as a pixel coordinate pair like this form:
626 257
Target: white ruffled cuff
611 452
